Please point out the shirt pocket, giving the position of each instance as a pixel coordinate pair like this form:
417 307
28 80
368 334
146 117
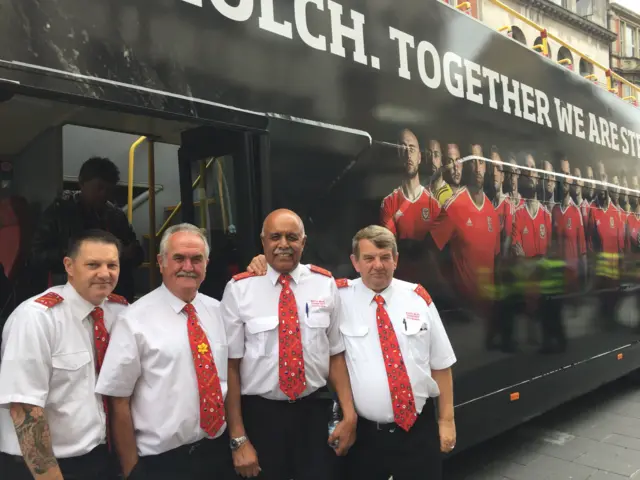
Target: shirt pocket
70 377
262 337
354 338
417 334
315 334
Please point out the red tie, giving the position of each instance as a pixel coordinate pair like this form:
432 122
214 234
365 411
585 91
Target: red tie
402 401
211 401
101 341
291 361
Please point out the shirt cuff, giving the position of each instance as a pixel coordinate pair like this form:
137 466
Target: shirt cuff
7 400
441 364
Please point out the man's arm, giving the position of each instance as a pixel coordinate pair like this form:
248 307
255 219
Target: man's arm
34 438
444 379
123 434
245 458
345 431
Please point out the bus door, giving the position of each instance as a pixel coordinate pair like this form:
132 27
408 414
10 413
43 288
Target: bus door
220 191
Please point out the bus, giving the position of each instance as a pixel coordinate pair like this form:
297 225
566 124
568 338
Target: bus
489 162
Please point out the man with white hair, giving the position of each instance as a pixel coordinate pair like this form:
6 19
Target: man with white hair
166 372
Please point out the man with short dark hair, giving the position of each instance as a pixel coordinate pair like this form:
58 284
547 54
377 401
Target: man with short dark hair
74 212
53 425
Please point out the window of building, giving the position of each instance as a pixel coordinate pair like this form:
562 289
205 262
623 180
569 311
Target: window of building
629 41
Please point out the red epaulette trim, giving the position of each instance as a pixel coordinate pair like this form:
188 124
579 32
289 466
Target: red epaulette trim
243 275
49 300
320 270
112 297
422 293
342 282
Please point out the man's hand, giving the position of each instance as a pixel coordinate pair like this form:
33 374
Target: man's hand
345 434
245 460
447 430
258 265
517 250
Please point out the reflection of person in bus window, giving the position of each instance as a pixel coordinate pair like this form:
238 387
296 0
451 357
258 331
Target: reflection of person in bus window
439 188
568 228
532 221
468 222
452 172
409 210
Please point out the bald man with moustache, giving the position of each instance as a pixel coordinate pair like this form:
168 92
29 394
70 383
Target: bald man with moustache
284 347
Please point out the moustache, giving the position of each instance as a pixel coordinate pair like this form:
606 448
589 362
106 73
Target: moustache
187 274
283 251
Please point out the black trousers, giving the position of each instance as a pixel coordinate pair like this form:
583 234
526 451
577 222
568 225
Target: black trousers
382 450
206 459
291 438
95 465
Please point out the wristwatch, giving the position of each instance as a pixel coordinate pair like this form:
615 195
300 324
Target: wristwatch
237 442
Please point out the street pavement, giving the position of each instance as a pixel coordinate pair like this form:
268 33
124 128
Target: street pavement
596 437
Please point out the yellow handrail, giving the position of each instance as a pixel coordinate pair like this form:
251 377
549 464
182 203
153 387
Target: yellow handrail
165 225
532 24
132 155
151 158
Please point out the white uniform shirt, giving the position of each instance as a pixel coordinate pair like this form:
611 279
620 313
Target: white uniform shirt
149 359
421 336
249 309
48 360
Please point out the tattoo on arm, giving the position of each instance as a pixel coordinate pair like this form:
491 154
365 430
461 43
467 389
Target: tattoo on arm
34 437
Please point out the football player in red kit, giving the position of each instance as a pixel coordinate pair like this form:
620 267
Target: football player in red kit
410 209
501 201
532 221
568 229
469 224
605 241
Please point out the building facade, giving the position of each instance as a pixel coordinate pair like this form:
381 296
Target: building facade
625 51
582 24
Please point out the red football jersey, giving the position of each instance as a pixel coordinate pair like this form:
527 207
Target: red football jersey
504 210
532 232
632 243
568 231
474 236
519 203
605 231
585 206
407 219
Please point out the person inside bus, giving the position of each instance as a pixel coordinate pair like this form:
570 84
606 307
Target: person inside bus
88 208
439 188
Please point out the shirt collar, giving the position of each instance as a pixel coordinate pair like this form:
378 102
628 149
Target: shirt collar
176 304
367 295
273 275
80 307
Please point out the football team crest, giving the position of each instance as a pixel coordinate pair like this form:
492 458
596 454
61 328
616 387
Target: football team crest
569 224
543 231
490 224
425 214
611 222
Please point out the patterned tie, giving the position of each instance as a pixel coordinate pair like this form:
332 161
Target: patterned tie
211 401
291 361
101 342
402 401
